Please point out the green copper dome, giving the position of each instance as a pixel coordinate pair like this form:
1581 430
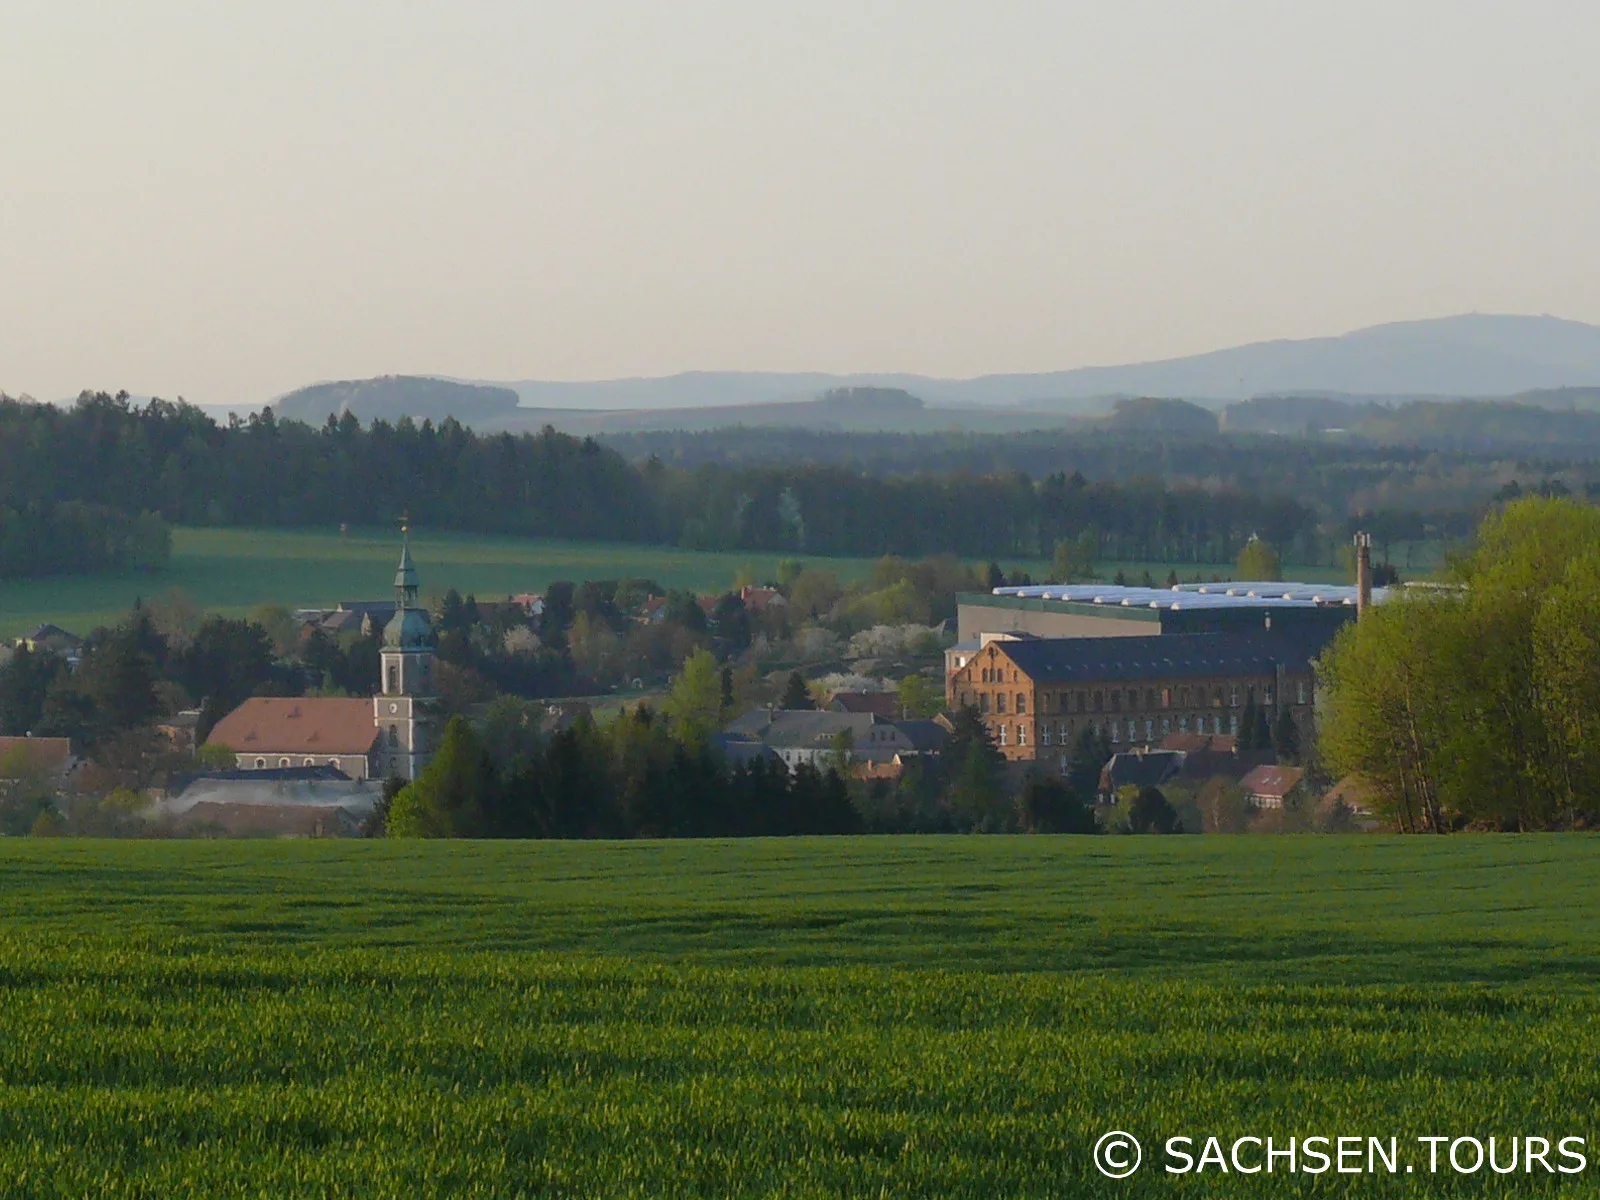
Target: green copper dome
410 629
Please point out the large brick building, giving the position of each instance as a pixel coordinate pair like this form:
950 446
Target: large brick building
1036 695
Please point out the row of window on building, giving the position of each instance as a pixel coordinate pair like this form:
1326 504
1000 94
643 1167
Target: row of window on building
1113 701
286 761
1118 731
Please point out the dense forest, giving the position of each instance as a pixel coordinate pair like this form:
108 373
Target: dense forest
174 460
93 486
1341 478
44 538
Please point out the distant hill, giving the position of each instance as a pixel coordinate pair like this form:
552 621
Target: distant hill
1541 361
855 409
1447 357
1296 416
1146 415
394 396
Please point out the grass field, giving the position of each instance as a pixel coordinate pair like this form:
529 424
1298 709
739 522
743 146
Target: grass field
234 570
851 1017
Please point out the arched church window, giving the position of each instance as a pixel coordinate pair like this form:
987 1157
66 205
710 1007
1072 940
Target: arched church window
394 677
394 735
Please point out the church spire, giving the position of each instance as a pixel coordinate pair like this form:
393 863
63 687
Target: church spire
405 577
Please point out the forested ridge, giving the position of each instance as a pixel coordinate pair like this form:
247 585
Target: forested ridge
174 460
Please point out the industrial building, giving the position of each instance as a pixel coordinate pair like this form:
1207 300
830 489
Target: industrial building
1139 664
1105 610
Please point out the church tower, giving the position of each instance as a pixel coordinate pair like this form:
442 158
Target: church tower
403 709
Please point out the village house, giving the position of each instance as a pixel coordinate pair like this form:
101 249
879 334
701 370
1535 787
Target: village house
757 599
819 739
52 639
1268 786
1139 768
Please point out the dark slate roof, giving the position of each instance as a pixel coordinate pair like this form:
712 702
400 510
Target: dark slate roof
1150 769
1169 656
925 736
740 751
378 610
46 632
817 730
881 704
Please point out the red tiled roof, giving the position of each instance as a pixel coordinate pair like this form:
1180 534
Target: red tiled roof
1193 743
304 725
1277 782
37 753
757 598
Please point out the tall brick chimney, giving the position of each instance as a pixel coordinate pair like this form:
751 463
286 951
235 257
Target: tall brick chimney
1363 574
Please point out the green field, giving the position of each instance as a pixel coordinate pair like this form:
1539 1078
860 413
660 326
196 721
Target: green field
850 1017
234 570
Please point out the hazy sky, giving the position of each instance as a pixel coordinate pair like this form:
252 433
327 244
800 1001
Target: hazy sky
225 201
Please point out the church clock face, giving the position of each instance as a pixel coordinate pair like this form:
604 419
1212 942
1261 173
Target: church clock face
393 707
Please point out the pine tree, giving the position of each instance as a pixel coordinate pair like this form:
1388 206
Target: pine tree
454 795
976 765
1152 812
1050 806
796 696
1286 738
1090 752
1248 732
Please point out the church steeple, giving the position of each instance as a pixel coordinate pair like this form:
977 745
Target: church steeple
405 578
402 711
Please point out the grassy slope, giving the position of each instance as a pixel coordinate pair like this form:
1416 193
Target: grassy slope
806 1018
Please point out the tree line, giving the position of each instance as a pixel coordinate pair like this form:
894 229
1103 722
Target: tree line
71 538
176 461
629 778
1476 703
